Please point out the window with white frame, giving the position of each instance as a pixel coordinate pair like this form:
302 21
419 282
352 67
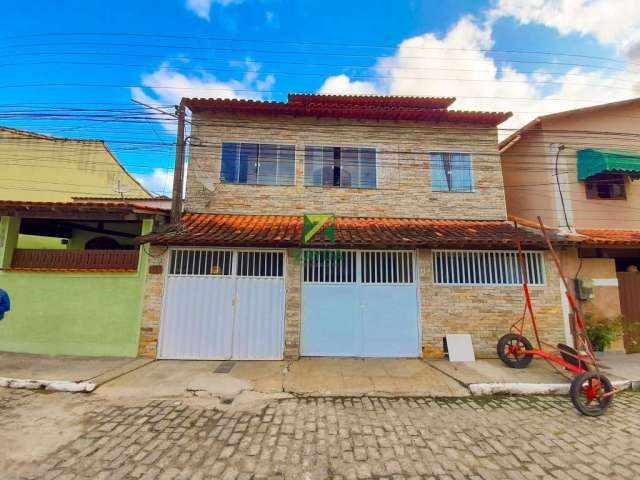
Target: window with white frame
353 167
479 267
451 172
257 163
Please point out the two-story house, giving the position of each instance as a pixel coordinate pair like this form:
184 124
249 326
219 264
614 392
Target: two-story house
577 170
417 246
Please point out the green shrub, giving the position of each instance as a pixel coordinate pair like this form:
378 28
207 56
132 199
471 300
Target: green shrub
602 331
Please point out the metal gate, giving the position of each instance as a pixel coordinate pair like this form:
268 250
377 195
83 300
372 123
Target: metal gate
629 287
360 304
223 304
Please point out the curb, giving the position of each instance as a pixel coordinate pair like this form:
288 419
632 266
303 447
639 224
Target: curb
532 388
50 385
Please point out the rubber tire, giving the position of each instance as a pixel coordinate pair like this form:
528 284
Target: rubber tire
574 391
522 362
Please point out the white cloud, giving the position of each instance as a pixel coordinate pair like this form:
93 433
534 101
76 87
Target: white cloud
160 181
611 22
457 65
202 8
340 84
167 86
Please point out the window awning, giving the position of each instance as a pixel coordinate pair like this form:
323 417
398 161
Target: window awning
593 161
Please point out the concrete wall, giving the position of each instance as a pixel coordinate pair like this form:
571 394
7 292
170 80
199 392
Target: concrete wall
404 178
529 183
80 168
606 298
73 313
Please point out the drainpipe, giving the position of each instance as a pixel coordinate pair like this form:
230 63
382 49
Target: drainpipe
178 171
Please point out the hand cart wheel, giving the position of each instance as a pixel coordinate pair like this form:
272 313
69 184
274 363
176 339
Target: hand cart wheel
591 393
511 349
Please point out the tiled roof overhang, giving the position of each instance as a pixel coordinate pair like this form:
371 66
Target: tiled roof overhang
605 237
320 109
106 210
197 229
371 100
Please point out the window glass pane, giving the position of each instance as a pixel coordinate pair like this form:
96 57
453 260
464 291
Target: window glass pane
313 165
349 168
264 164
286 174
461 180
248 167
438 175
368 174
229 167
268 165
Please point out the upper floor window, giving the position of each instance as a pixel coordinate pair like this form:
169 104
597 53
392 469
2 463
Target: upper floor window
340 167
606 186
258 163
451 172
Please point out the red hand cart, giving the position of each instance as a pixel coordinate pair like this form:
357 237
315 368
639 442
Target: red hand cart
591 392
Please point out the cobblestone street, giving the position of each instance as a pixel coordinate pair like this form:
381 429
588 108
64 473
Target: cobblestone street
353 438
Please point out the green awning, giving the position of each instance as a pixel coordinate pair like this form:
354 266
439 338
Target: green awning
593 161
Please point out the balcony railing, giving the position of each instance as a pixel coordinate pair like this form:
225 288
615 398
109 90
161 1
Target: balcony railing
75 259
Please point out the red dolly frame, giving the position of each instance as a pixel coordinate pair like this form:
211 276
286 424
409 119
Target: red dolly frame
516 351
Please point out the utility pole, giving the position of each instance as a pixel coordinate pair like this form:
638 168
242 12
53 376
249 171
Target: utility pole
178 171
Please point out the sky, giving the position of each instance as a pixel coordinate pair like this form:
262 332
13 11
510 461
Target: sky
530 57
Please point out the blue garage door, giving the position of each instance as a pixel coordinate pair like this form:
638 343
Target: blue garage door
360 304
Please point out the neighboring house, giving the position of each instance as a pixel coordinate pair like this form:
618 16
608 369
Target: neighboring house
71 266
43 168
420 246
594 198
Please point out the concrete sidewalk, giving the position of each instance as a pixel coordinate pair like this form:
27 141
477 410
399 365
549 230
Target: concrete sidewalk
491 376
62 373
254 380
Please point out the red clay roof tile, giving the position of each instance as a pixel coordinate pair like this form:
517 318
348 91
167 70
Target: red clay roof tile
610 237
15 206
353 107
197 229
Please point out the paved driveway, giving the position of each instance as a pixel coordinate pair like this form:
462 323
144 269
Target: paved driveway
322 438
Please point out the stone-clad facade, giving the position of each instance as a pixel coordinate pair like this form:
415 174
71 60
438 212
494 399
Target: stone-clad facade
404 179
403 191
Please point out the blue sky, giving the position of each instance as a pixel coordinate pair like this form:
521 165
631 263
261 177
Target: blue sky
100 55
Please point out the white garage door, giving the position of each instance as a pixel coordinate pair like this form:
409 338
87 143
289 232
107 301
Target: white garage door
360 304
223 304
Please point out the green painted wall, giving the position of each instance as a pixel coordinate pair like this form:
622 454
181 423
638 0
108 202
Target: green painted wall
95 314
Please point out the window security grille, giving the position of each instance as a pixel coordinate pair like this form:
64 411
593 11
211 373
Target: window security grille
200 262
351 266
329 266
387 267
227 263
486 267
260 264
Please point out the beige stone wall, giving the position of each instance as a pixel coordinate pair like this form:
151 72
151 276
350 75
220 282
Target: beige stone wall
404 178
484 312
152 304
293 305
